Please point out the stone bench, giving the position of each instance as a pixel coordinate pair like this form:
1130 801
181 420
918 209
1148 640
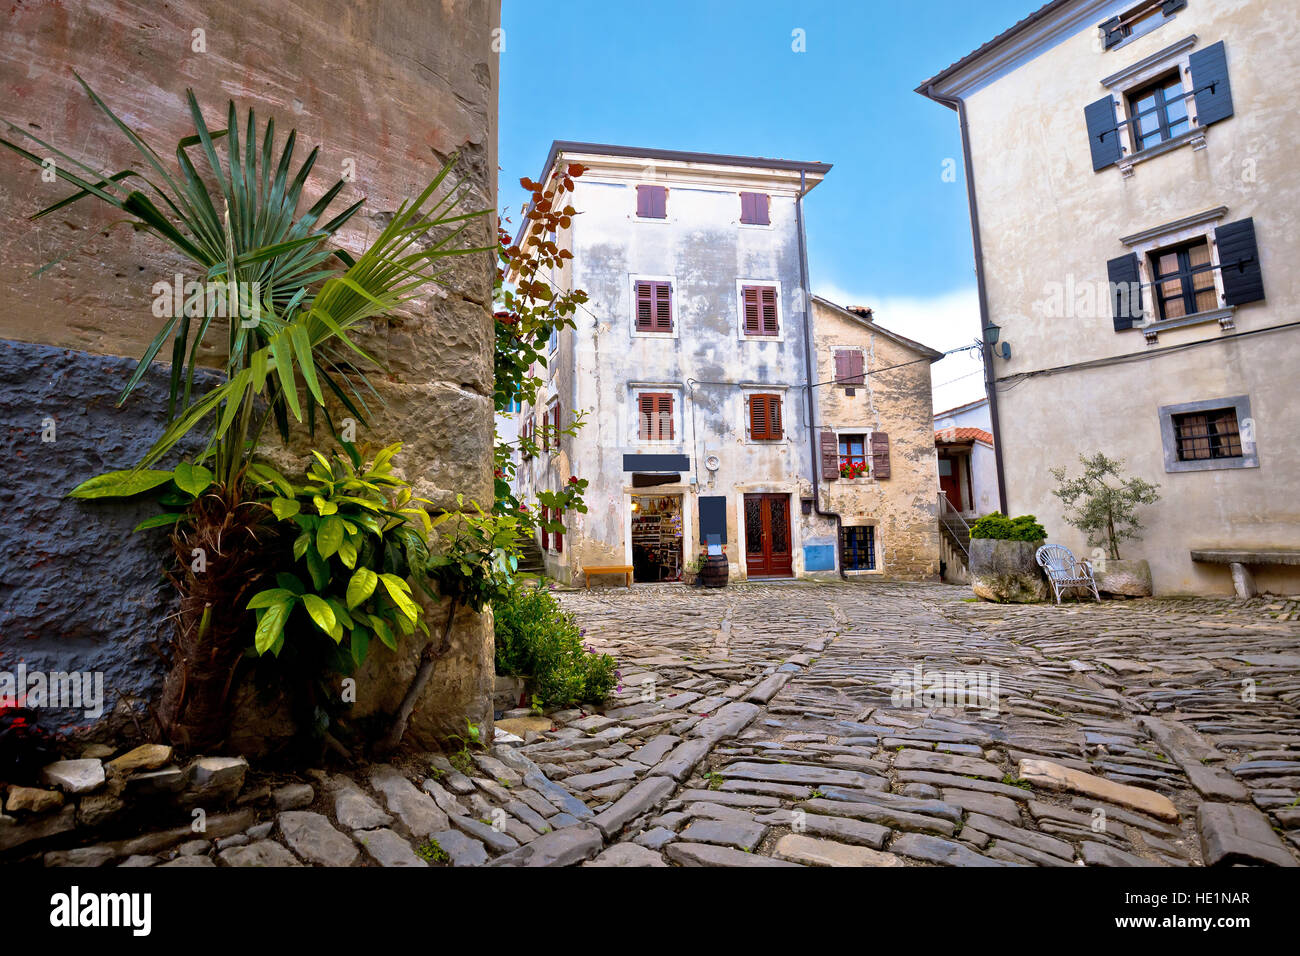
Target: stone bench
1239 560
625 569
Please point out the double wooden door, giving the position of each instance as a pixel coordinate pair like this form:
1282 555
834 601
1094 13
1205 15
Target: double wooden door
767 536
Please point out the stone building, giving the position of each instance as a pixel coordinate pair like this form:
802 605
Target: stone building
1129 168
387 94
691 363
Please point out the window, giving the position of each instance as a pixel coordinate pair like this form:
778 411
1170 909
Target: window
512 406
551 428
849 367
1146 16
1210 435
754 209
1158 112
1184 280
654 309
858 547
765 417
853 456
652 202
553 342
759 302
655 411
1205 435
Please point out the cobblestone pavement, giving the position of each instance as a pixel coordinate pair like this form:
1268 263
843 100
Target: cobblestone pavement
768 724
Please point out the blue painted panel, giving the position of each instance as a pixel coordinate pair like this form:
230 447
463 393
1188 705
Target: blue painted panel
819 557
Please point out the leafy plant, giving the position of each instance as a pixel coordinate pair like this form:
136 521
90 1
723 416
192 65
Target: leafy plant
853 469
360 535
1105 510
1000 527
431 852
535 638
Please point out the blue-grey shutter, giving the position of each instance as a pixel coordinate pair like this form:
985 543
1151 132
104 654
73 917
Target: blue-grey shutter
1110 29
1170 7
1243 280
1103 133
1210 82
1125 291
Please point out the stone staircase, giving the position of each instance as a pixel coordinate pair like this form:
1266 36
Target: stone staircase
531 560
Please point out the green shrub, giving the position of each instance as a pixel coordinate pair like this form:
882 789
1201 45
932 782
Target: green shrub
999 526
536 639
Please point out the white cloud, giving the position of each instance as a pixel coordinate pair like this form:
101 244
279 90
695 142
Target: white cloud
942 322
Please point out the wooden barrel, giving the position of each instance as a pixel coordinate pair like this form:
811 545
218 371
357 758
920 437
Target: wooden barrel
714 572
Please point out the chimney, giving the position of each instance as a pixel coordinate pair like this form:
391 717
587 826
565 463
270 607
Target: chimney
862 310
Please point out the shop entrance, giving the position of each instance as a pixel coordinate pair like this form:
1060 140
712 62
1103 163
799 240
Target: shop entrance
656 538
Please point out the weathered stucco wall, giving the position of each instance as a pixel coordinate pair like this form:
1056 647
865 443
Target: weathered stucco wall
897 401
388 91
707 365
1049 224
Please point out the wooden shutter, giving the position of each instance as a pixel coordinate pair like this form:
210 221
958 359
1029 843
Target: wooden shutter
1243 279
559 535
754 209
747 207
546 535
879 455
830 450
1103 132
856 368
665 417
1112 31
768 301
663 307
1125 291
1170 7
645 307
749 296
841 365
651 202
646 411
774 429
765 417
1210 83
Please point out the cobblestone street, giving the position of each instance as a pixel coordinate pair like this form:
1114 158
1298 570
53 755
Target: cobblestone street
762 724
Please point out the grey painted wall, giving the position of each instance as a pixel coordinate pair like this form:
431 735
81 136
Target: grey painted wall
78 590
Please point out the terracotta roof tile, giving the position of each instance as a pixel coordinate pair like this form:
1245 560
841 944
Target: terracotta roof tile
955 435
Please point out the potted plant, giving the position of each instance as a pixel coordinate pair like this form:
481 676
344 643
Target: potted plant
853 469
691 574
1002 565
1102 503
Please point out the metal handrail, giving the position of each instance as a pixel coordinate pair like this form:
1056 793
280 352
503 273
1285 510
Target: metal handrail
946 513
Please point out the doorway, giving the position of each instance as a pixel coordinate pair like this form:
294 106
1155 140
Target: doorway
656 538
949 480
767 537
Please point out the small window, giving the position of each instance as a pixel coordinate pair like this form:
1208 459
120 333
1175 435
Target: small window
553 342
853 456
654 307
765 417
1203 436
1158 112
754 209
652 202
760 310
849 367
858 548
1184 280
655 411
1138 20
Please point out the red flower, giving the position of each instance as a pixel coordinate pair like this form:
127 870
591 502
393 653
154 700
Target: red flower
573 479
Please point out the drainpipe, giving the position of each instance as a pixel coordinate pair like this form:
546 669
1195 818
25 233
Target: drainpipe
990 386
808 354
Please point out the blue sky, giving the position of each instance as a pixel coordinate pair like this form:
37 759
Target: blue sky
884 229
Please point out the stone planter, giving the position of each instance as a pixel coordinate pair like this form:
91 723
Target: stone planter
1005 571
1128 578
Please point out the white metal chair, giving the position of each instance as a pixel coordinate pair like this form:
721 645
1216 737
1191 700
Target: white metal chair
1064 571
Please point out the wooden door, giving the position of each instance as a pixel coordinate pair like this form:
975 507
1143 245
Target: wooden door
948 480
768 551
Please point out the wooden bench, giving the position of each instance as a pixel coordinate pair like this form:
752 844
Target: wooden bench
1238 560
624 569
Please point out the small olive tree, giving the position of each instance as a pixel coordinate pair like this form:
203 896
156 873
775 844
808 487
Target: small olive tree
1102 503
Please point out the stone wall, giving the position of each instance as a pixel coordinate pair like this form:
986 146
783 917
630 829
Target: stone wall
902 507
387 90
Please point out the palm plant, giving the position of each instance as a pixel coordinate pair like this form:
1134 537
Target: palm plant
306 299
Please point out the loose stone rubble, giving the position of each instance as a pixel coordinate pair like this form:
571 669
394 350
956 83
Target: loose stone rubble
771 725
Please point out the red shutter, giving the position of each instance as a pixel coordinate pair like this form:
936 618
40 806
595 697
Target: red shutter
665 417
769 310
841 365
762 210
749 294
855 368
646 410
559 535
754 209
546 535
663 307
660 202
879 455
651 202
830 456
747 207
645 306
757 416
774 416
